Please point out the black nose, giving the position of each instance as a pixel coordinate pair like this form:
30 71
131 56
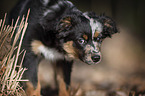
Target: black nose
95 58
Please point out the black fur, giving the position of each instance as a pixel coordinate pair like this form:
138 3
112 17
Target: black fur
59 25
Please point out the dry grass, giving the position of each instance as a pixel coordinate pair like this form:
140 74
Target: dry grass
9 55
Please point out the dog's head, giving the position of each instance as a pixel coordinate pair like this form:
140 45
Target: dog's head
83 34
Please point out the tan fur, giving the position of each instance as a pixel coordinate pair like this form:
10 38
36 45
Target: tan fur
108 25
35 45
72 52
85 37
65 23
62 87
67 20
30 91
96 34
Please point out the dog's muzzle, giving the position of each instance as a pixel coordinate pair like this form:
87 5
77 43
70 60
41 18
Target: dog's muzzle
92 58
92 55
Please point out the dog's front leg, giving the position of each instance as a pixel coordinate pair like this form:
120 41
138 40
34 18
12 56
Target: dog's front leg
32 87
62 70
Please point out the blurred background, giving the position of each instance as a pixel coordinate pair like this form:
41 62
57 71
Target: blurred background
123 62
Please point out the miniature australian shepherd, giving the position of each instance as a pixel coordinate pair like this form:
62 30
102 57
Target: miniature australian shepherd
60 33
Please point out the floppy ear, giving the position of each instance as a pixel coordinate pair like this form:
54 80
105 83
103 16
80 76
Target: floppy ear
65 24
109 26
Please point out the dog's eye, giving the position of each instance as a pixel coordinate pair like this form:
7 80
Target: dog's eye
98 39
81 41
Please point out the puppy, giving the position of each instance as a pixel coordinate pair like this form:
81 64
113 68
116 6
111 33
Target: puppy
60 33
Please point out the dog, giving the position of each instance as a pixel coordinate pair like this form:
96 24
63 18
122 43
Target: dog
60 33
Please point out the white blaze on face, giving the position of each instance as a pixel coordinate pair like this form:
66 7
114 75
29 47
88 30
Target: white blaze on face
95 25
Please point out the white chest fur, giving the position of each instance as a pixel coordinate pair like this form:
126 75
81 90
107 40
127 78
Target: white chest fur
49 53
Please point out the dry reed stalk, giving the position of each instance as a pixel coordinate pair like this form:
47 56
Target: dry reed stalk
9 77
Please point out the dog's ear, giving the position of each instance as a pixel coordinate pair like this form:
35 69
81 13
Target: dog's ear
65 24
109 26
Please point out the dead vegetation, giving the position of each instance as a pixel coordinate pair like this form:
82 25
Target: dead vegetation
10 78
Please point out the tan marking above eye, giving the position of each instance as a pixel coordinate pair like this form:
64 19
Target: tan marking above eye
96 34
85 37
